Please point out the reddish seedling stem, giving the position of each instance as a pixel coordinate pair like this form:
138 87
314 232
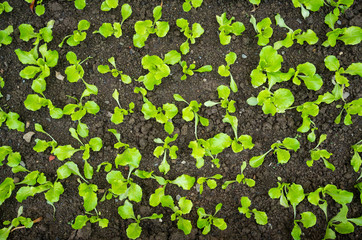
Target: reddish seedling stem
34 221
32 6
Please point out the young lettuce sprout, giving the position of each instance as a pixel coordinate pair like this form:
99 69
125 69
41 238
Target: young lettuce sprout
78 35
323 154
119 112
224 71
306 5
340 7
211 183
191 112
288 193
11 119
159 150
42 145
240 178
6 189
5 38
356 160
107 29
14 159
226 28
107 5
39 7
134 230
189 70
115 72
260 217
223 93
281 149
188 4
45 33
145 28
205 221
80 4
81 220
75 71
263 30
191 33
309 36
350 36
308 219
5 7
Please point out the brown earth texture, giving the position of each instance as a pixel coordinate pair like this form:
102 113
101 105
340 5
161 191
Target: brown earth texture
140 133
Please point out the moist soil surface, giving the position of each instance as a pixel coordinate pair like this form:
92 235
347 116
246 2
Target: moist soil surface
140 133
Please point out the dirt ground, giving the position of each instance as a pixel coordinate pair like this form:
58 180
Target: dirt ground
139 133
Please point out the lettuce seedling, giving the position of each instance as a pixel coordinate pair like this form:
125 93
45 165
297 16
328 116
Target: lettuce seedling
224 71
323 154
14 159
134 230
75 71
352 108
340 7
309 36
119 112
308 219
5 38
27 33
78 35
281 149
115 72
88 192
205 221
350 36
288 193
341 224
157 68
223 93
145 28
39 66
191 112
307 73
162 115
191 33
11 119
107 5
226 28
6 189
188 4
19 220
240 178
5 7
159 150
342 197
263 30
33 103
211 183
184 207
260 217
80 4
81 220
359 187
68 169
356 160
189 70
210 147
39 7
107 29
307 109
306 5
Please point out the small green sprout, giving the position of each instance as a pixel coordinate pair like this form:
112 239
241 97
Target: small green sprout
240 178
356 160
159 150
134 230
78 35
45 33
107 5
350 36
189 70
307 73
6 188
145 28
11 119
107 29
80 4
188 4
39 7
5 7
323 154
5 38
75 71
210 181
309 36
14 159
81 220
224 71
19 220
115 72
340 7
205 221
308 219
263 30
119 112
223 93
191 33
306 5
226 28
42 145
260 217
281 149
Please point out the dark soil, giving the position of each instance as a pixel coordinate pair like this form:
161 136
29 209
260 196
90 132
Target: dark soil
138 132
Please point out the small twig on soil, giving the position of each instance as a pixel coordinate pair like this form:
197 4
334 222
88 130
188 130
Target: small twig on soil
161 3
32 6
254 8
35 221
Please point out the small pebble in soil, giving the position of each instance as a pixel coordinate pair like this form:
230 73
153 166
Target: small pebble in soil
197 187
27 125
345 95
27 136
243 56
178 197
8 96
183 162
299 21
339 22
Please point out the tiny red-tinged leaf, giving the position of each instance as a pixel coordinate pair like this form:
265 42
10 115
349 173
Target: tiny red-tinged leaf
51 158
32 6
